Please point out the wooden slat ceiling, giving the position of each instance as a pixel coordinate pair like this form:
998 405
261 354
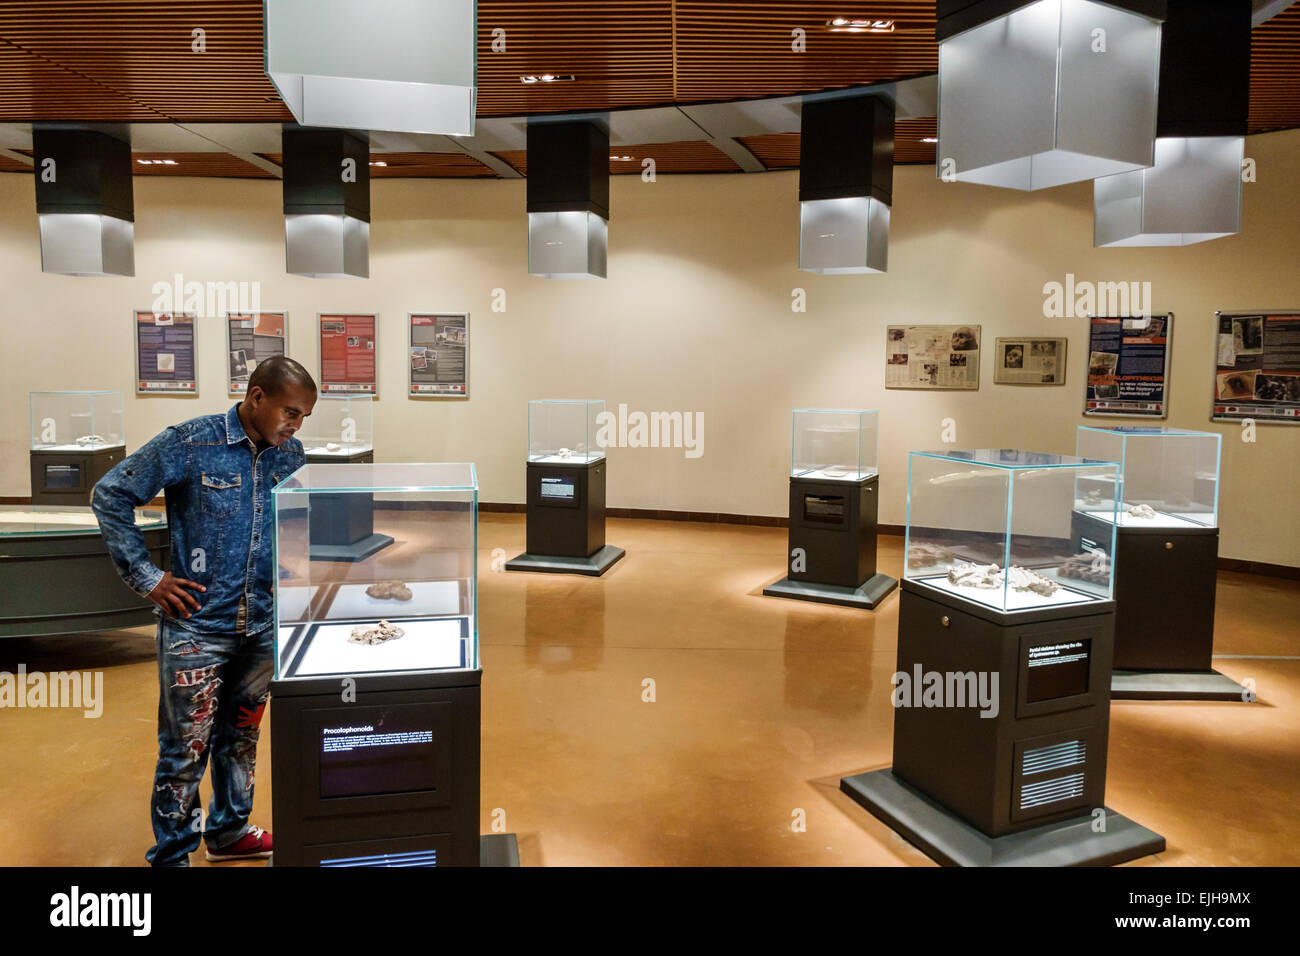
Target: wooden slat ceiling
689 157
781 150
409 165
197 164
131 61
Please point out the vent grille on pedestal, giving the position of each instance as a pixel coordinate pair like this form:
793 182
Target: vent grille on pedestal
418 858
1054 757
1051 791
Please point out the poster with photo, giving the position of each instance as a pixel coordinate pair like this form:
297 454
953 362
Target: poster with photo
164 353
439 354
932 356
252 338
347 354
1029 361
1128 366
1257 367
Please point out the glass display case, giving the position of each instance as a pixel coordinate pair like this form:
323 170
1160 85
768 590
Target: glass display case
339 427
77 421
999 527
834 444
564 430
1170 476
56 521
408 603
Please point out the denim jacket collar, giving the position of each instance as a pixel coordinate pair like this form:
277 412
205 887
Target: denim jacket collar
235 434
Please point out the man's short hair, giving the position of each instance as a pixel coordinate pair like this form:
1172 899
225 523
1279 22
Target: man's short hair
279 372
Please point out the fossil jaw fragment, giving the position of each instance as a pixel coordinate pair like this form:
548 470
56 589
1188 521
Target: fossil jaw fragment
389 590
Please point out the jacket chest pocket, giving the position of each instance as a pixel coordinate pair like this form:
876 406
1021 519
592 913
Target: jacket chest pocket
221 493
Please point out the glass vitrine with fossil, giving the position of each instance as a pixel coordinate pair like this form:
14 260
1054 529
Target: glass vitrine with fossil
1170 476
999 527
339 428
565 430
377 569
834 444
77 421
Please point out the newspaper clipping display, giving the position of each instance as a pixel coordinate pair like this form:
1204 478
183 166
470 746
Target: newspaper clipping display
1029 361
932 356
1257 368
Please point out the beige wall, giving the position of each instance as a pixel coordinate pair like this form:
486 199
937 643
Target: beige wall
694 317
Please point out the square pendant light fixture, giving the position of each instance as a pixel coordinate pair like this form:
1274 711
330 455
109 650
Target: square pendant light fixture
1193 192
326 203
402 65
85 202
1035 95
846 182
568 198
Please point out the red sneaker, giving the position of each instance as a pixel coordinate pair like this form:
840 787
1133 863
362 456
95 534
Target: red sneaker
253 845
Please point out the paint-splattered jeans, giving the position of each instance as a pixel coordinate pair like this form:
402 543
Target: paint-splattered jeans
212 692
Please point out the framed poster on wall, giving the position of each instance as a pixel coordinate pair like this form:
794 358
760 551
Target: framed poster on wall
1257 367
347 354
439 359
932 356
1128 365
1029 361
252 338
164 353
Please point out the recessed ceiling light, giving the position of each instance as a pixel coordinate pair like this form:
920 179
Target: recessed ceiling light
929 139
378 162
156 162
623 159
547 78
855 25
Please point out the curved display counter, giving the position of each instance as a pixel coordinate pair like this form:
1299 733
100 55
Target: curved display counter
56 576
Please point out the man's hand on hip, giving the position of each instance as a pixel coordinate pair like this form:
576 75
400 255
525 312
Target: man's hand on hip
171 596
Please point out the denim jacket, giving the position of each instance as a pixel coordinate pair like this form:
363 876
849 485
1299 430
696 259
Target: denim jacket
218 487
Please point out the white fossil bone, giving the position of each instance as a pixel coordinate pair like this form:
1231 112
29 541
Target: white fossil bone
378 634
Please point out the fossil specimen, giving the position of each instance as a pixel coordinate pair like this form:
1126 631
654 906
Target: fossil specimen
1140 511
395 590
565 453
331 446
969 575
835 471
1086 567
925 555
1022 579
1093 497
91 440
381 632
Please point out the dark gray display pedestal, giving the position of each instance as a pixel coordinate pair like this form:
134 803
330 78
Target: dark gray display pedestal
832 544
338 802
566 520
342 526
1164 613
67 478
1014 775
66 583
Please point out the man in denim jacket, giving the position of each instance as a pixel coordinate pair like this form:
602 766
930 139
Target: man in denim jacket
215 635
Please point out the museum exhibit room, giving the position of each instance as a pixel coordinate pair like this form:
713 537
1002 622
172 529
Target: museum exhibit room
650 433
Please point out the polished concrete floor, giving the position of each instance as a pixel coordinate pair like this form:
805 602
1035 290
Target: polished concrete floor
760 706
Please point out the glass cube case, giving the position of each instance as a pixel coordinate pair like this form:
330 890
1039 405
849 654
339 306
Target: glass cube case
1170 476
77 421
339 426
564 430
404 597
834 443
998 527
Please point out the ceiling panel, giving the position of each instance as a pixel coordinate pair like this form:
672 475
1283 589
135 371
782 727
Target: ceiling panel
196 164
695 156
1275 73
